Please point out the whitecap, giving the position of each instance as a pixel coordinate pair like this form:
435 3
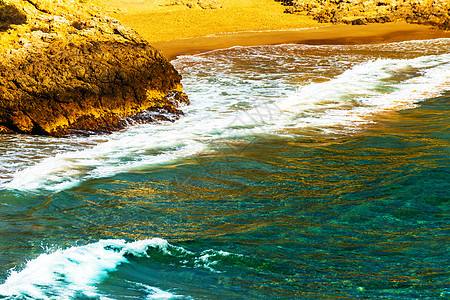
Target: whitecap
66 273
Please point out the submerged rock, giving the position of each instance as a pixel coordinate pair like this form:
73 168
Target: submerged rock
70 68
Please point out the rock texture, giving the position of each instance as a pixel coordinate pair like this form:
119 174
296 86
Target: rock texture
359 12
204 4
67 68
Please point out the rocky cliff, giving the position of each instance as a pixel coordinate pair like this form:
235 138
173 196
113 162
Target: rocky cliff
65 68
357 12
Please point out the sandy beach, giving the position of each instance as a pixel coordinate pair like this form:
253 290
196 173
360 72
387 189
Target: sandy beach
177 29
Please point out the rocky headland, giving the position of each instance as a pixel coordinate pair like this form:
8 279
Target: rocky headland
357 12
65 67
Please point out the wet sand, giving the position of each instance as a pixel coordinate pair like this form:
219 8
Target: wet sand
333 34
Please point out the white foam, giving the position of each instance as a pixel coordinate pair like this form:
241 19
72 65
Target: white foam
156 294
209 258
122 152
77 270
353 97
227 105
65 272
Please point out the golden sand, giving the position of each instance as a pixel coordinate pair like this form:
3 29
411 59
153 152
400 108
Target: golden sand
178 29
155 20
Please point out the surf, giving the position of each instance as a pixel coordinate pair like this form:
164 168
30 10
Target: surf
76 271
233 104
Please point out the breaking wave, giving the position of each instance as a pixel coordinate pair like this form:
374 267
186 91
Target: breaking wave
76 271
234 101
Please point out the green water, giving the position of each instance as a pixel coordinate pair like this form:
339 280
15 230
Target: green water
355 213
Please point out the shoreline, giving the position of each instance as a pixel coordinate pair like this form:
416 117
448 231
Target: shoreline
179 30
326 35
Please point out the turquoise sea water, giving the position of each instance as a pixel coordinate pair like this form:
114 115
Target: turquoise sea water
315 172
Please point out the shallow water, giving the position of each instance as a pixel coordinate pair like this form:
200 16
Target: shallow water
297 171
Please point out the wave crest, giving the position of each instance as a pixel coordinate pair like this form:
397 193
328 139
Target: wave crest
75 271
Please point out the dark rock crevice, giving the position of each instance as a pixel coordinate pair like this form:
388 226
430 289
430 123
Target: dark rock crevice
10 15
